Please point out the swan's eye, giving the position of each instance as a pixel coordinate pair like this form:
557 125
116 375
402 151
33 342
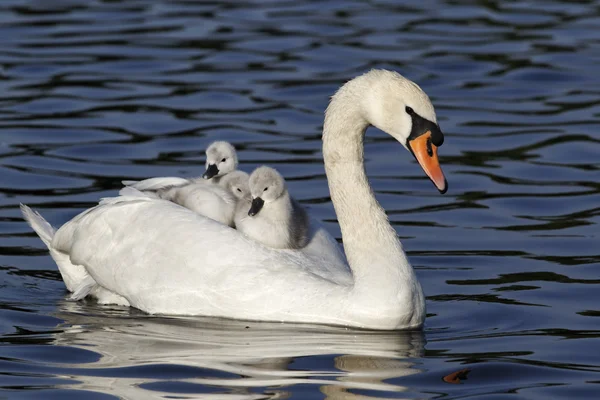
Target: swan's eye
223 160
409 110
239 190
265 189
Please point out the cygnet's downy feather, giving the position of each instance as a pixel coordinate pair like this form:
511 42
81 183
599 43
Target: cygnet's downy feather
273 217
212 201
221 159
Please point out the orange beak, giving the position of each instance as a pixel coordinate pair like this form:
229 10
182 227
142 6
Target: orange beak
426 154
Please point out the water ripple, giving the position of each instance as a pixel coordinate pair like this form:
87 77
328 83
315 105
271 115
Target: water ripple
99 91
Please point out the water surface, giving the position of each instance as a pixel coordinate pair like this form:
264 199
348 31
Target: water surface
94 92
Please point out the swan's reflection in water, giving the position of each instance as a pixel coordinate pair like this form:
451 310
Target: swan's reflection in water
145 357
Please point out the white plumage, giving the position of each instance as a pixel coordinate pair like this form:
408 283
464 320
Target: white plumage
163 258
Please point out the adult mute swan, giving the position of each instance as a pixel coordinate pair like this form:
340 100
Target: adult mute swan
221 159
163 258
274 217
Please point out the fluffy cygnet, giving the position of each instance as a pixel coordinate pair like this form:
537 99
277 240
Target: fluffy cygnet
273 218
221 159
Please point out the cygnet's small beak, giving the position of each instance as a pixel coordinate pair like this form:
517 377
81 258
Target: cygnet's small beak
257 205
211 171
426 154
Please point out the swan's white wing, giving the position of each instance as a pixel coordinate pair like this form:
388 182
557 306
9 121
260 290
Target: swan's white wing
166 259
128 193
323 245
155 184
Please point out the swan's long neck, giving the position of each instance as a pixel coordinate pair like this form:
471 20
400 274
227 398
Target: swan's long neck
380 268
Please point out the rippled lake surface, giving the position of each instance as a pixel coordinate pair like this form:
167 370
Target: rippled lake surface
93 92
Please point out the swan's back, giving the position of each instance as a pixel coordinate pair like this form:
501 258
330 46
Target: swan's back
212 265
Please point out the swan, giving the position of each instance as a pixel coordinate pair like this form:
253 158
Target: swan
217 202
321 247
237 183
221 159
212 201
164 259
240 188
274 217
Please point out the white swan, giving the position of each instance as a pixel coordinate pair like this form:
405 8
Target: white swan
162 258
274 217
221 159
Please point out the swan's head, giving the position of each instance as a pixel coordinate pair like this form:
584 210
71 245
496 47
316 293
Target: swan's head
221 159
400 108
238 183
266 186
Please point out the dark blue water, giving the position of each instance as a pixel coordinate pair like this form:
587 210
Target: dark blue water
93 92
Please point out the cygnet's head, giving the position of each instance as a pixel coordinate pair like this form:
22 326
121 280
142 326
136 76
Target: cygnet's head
238 184
221 159
400 108
266 186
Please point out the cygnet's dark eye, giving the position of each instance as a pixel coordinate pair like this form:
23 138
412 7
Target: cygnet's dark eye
409 110
223 160
265 189
239 190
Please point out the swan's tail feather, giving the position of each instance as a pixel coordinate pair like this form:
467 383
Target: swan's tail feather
129 183
43 229
83 288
